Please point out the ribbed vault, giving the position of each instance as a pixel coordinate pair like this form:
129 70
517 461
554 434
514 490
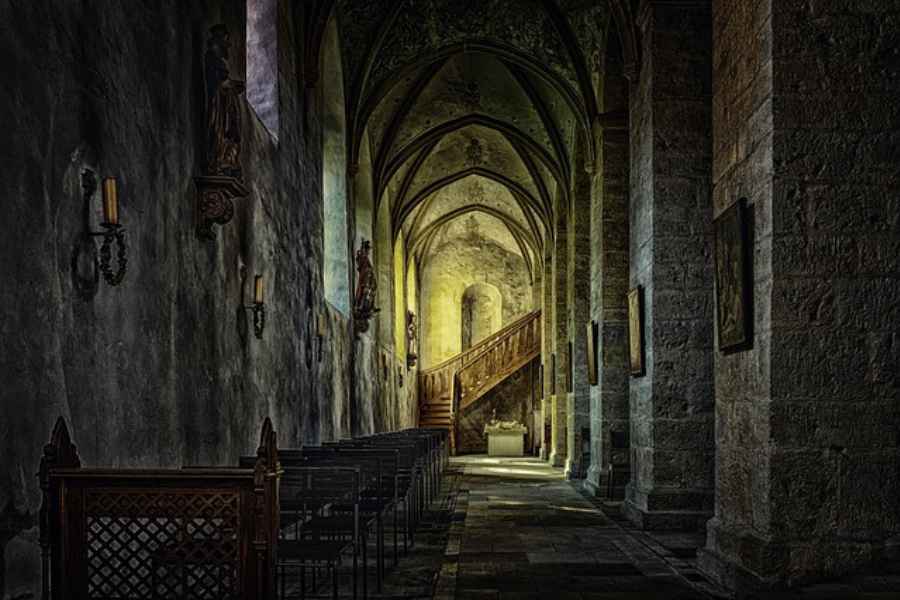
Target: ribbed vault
471 111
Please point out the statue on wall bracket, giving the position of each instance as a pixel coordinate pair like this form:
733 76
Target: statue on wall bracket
366 286
222 180
412 340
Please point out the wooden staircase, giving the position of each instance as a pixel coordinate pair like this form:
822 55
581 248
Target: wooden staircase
452 386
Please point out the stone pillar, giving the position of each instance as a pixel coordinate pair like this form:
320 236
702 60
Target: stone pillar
578 415
609 306
560 334
808 456
546 352
671 404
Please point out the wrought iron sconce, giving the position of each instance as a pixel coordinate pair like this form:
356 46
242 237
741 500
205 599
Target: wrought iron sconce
258 307
113 232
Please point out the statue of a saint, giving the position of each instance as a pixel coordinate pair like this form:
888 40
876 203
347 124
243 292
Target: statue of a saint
366 286
223 108
412 339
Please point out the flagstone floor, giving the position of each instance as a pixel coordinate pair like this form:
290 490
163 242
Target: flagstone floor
519 531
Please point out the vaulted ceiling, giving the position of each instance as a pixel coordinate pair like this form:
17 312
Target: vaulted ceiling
472 109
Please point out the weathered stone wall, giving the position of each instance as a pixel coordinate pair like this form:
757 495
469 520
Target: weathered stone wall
450 269
578 432
514 400
609 307
162 370
672 406
560 331
742 167
807 128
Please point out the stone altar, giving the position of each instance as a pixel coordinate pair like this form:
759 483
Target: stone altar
505 438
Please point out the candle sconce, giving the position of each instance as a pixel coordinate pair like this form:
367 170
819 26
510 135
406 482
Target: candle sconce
258 308
85 246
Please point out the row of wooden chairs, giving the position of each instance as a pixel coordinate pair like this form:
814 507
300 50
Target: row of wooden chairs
234 532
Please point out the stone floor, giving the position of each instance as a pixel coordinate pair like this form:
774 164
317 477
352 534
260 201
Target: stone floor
521 532
527 533
512 528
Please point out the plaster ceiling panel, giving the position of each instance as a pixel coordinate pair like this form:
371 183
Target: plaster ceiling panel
360 21
563 118
473 190
392 190
381 116
472 83
425 26
470 147
589 21
475 229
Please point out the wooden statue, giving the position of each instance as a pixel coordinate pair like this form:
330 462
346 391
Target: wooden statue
223 115
412 340
366 287
222 179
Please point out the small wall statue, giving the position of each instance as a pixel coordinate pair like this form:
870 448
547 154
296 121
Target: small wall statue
222 179
366 285
412 340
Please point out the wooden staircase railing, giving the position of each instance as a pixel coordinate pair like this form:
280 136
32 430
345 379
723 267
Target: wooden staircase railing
457 383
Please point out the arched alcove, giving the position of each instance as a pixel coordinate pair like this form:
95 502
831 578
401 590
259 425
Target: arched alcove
336 271
482 313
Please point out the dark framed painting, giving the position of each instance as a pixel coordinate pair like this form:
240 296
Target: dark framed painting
734 314
593 377
552 374
636 331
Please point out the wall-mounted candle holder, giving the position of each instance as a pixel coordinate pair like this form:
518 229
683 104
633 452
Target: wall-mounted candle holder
258 308
113 233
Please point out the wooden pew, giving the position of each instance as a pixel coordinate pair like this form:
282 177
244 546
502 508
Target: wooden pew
157 533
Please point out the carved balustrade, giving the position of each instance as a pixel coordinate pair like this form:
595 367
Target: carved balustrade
460 381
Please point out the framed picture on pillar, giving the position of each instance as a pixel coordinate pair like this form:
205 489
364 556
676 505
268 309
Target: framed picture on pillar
593 378
636 331
552 374
734 314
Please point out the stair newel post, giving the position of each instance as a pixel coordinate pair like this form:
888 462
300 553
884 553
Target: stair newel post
454 412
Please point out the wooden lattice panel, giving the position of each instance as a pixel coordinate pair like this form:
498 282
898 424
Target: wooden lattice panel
162 544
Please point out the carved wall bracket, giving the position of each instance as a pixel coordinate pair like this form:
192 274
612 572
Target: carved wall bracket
214 202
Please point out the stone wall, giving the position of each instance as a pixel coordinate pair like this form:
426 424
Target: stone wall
807 125
163 369
578 432
451 268
672 405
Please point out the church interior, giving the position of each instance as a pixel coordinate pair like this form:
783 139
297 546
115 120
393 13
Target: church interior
593 299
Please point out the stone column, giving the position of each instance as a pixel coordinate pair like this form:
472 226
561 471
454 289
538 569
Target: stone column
546 352
560 334
671 404
806 128
609 306
578 421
